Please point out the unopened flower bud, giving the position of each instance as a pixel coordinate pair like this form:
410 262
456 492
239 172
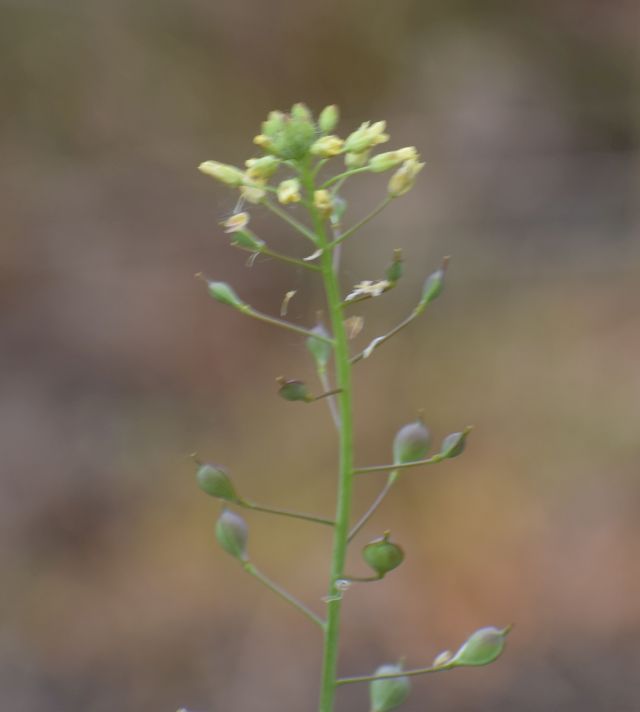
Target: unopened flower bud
383 555
319 349
366 137
328 119
274 123
225 294
385 161
481 648
293 390
389 692
301 112
403 179
411 443
213 480
229 175
232 534
395 270
454 444
289 191
261 168
237 221
356 160
327 146
323 203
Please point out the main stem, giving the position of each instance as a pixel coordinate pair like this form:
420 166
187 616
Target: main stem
345 475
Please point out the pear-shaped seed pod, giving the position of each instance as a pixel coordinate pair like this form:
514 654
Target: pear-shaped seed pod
293 390
481 648
390 692
213 480
411 443
383 555
232 534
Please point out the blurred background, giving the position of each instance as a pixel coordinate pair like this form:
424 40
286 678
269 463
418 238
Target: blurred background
116 364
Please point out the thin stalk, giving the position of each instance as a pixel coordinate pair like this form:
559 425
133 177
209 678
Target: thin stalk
333 409
345 475
250 311
295 224
251 569
290 260
379 340
372 509
354 228
433 460
344 175
391 675
247 504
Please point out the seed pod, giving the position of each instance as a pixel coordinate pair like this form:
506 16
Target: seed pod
411 443
293 390
389 692
454 444
213 480
225 294
320 350
383 555
481 648
328 119
232 534
395 269
247 240
432 287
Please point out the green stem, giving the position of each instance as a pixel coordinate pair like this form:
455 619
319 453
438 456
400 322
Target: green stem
390 676
284 215
250 311
247 504
251 569
345 475
344 175
290 260
354 228
372 509
385 468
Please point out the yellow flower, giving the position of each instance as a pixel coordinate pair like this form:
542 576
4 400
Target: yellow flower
322 202
403 179
289 191
327 146
230 175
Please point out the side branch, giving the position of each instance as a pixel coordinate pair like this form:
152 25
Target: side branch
390 676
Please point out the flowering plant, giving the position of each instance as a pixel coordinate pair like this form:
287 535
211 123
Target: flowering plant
304 148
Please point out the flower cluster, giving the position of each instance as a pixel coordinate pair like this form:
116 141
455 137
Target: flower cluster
288 140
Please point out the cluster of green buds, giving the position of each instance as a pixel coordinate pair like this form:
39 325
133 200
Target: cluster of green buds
293 176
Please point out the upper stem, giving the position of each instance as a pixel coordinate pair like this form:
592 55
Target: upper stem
345 474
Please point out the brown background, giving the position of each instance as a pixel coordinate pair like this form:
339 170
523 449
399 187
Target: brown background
116 365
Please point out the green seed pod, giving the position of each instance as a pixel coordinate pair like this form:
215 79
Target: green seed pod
328 119
213 480
232 533
395 270
320 350
224 294
247 240
339 208
454 444
411 443
433 285
294 390
481 648
389 692
383 555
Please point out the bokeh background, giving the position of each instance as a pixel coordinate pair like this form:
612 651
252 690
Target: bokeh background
116 364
